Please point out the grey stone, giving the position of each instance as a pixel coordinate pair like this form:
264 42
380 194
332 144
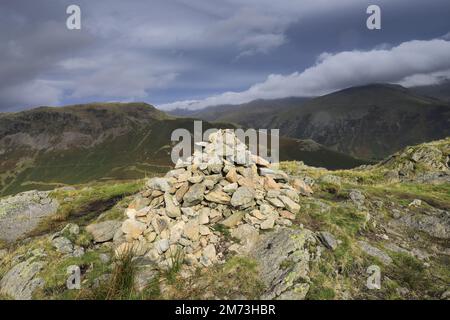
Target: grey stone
77 252
160 184
436 223
210 253
357 198
162 245
247 235
194 195
290 205
242 197
276 175
104 257
103 231
144 276
172 208
268 223
195 179
328 240
283 257
22 213
230 188
21 280
63 245
375 252
71 228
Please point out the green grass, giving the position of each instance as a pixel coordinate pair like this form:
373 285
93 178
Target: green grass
84 204
55 275
403 193
237 278
176 262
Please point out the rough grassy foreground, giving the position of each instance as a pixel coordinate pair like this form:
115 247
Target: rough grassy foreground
394 215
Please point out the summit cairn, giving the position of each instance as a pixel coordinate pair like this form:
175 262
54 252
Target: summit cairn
221 186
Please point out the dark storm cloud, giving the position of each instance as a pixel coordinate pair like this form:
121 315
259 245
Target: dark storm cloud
163 51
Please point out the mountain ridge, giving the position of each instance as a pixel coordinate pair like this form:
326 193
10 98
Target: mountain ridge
370 121
56 146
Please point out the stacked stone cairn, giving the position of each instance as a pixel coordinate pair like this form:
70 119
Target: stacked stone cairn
221 186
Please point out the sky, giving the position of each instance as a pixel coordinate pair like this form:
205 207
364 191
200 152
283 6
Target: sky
196 53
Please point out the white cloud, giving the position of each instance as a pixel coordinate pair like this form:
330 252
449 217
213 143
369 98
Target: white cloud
408 63
425 79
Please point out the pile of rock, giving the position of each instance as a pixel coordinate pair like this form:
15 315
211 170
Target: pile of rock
221 186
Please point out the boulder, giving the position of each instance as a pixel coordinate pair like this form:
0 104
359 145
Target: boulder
103 231
22 213
283 258
328 240
63 245
22 280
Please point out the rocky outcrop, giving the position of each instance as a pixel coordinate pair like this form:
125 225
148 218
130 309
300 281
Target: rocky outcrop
22 213
434 222
283 257
20 282
425 163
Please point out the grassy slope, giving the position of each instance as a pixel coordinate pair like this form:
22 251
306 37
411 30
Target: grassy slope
339 274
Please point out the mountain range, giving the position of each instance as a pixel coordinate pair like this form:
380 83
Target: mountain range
49 147
369 121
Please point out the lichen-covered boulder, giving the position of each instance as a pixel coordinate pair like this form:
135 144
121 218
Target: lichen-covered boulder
283 257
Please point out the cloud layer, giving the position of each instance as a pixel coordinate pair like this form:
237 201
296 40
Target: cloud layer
193 51
410 63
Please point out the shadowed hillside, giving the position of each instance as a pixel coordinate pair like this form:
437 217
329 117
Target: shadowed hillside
371 121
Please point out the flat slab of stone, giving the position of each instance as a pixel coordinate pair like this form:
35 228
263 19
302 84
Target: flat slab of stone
103 231
375 252
21 280
21 214
283 258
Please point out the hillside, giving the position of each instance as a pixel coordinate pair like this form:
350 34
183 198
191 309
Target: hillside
254 114
310 234
47 147
371 121
439 91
